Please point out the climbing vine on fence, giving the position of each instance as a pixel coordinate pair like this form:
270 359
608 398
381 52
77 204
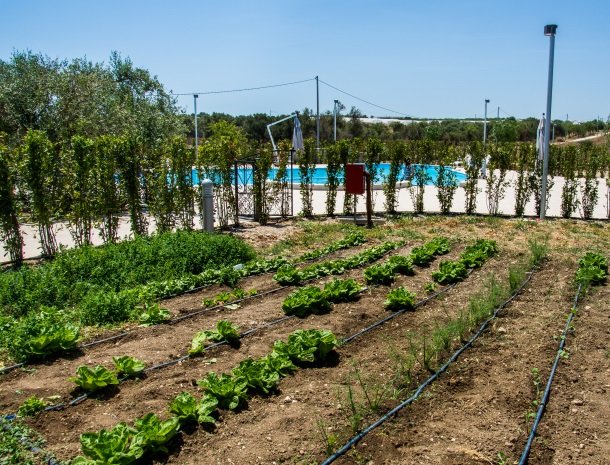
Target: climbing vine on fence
333 169
306 159
497 168
397 156
38 172
9 211
80 160
446 180
472 166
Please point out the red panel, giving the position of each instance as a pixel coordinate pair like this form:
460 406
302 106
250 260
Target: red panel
354 178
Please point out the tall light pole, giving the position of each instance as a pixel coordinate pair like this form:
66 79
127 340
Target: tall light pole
317 113
485 123
195 96
549 30
335 109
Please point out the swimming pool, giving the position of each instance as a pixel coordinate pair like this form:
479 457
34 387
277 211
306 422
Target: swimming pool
320 176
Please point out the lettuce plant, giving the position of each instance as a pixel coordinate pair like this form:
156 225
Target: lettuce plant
94 379
342 290
399 299
153 314
450 272
379 274
119 445
225 332
401 264
231 392
128 366
186 408
309 345
306 300
258 375
154 433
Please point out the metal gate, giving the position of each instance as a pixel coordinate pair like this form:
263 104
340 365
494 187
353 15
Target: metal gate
268 196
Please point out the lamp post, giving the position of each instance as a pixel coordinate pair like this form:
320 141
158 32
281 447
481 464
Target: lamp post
195 96
485 123
549 30
335 120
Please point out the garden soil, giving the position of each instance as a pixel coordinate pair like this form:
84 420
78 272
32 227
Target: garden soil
476 413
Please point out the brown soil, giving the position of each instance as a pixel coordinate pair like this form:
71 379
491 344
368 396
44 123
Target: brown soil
475 411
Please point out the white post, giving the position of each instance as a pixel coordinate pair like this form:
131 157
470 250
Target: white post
549 30
317 114
335 121
196 136
207 194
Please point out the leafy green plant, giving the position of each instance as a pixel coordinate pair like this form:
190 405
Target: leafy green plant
450 272
594 259
41 335
32 406
307 345
288 275
154 433
379 274
153 314
342 290
306 300
351 240
422 255
225 332
119 445
258 375
279 363
592 269
400 299
430 287
401 264
128 366
186 408
94 379
230 391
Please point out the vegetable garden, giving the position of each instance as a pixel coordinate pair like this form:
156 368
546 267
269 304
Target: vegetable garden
205 349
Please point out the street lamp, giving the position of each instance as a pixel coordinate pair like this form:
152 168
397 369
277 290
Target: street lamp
335 110
485 123
195 96
549 30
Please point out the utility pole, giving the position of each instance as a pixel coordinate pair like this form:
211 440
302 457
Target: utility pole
317 113
549 30
335 120
195 96
485 123
498 117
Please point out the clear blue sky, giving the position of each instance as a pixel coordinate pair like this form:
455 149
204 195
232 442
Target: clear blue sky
427 58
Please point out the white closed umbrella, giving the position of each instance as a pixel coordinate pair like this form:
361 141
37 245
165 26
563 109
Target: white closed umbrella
540 139
297 135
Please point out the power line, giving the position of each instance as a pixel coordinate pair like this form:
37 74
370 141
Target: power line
247 88
502 110
362 100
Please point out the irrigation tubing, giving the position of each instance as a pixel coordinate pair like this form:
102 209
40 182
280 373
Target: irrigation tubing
31 446
547 390
358 437
174 320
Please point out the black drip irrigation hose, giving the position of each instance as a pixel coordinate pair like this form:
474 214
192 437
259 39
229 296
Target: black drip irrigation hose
358 437
86 395
25 441
397 313
547 391
174 320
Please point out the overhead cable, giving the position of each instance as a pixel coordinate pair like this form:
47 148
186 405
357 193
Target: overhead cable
362 100
247 88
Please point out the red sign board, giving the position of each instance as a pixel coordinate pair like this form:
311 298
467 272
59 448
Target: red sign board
354 178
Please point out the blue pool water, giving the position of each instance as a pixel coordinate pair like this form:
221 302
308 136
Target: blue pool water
320 175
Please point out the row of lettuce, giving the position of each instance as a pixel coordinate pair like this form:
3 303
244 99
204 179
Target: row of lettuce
44 307
150 434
